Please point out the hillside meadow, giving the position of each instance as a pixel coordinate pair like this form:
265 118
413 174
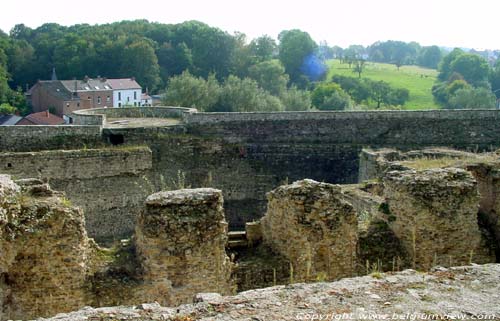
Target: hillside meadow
416 79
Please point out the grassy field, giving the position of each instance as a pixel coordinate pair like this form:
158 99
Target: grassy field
416 79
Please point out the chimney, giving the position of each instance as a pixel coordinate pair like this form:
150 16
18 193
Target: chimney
86 79
133 78
47 113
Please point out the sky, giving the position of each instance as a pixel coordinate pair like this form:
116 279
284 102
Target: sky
458 23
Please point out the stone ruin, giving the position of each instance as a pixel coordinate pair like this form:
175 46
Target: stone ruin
401 216
49 265
180 241
311 225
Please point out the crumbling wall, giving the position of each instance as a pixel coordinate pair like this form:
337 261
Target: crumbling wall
109 184
434 214
487 176
180 239
44 250
314 227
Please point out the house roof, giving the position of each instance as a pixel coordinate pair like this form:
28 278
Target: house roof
145 96
9 119
124 83
56 88
44 118
86 85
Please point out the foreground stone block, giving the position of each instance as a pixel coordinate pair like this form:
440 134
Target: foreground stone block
44 251
180 238
314 227
434 214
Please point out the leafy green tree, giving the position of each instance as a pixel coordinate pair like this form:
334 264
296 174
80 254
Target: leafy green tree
359 90
330 96
174 59
380 91
473 68
495 79
472 98
444 67
6 109
430 57
295 99
139 60
359 66
191 91
294 46
263 48
270 75
244 95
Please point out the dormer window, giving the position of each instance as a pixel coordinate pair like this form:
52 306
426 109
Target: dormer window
87 88
96 87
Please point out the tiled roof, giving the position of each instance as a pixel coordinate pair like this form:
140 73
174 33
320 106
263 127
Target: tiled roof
89 85
56 88
9 119
144 96
44 118
125 83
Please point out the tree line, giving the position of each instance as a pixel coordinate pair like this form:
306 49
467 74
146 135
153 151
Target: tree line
170 58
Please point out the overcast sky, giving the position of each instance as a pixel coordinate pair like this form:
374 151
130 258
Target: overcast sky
458 23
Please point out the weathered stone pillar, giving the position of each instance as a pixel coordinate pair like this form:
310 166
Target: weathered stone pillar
434 214
314 227
181 237
44 252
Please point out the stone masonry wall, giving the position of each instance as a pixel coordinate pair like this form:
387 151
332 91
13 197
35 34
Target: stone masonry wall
110 184
44 252
311 224
488 180
434 214
180 239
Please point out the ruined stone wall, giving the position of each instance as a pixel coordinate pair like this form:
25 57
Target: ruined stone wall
44 251
110 185
35 138
247 154
181 238
487 176
311 224
434 214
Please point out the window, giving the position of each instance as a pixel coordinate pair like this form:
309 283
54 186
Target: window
108 99
96 87
119 96
78 104
67 104
135 95
90 98
128 98
135 104
98 100
119 104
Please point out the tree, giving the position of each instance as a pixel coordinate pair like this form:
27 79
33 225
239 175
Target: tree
139 61
294 47
263 48
270 75
495 79
244 95
359 66
190 91
6 109
380 92
174 59
473 68
358 89
295 99
329 96
472 98
430 57
444 67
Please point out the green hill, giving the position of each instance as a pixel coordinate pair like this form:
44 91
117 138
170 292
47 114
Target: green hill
416 79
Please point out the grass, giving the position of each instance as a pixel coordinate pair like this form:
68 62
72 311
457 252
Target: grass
416 79
422 163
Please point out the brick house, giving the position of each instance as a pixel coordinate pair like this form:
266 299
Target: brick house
62 97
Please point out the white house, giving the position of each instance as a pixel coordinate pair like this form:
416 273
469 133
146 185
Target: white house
126 92
146 100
